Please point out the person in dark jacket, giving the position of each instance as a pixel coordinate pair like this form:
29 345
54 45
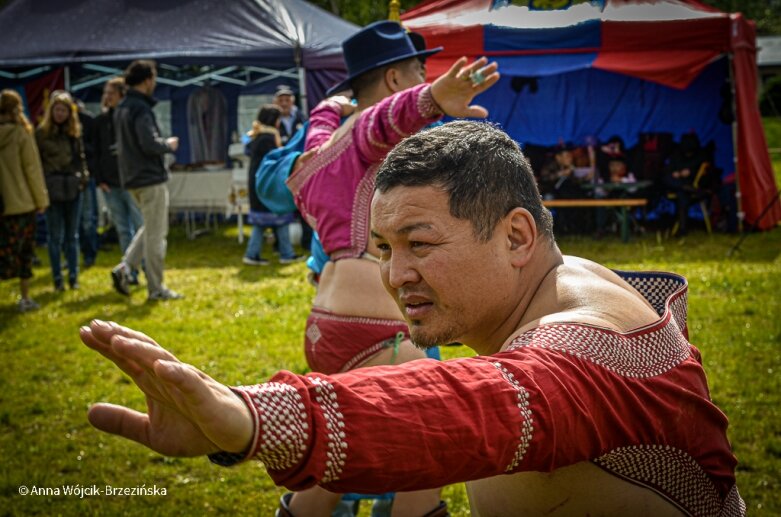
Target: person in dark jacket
140 152
265 138
62 156
122 207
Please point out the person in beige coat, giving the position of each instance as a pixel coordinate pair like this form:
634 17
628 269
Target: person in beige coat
23 193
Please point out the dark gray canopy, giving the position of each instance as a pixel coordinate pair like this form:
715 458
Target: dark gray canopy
268 33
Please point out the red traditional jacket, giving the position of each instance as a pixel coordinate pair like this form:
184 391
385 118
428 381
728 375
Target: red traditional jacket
636 404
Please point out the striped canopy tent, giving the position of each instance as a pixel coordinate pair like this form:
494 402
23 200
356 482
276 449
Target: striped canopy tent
595 69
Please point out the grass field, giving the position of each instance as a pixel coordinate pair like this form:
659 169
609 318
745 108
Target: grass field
242 324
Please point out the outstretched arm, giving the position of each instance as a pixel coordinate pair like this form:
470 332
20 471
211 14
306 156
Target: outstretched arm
188 412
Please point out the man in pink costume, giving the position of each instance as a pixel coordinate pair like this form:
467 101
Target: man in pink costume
586 396
353 322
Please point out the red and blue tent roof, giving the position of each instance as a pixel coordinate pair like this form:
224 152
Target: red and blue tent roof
669 42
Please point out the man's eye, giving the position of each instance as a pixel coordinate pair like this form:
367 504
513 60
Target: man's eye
383 247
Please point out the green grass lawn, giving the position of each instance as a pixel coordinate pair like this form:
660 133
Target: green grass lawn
242 324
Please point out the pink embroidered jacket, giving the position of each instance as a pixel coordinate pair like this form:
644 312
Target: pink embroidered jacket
333 190
635 404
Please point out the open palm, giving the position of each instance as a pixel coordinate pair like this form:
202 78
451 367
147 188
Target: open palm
454 90
188 412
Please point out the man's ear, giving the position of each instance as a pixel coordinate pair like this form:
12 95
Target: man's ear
521 232
392 80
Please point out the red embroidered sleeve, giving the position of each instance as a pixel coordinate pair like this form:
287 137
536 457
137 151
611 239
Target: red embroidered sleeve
560 396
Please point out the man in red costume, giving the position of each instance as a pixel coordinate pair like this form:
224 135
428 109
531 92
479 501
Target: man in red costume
586 396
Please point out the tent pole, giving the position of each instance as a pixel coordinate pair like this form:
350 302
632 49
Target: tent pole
740 214
302 96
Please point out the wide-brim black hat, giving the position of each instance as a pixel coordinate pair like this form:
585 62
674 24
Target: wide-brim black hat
376 45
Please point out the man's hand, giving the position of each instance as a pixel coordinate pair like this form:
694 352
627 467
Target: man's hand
173 143
104 187
346 105
188 412
303 158
455 90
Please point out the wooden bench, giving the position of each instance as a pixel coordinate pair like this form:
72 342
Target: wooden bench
622 204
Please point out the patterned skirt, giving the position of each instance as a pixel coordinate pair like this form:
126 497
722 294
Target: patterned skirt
17 245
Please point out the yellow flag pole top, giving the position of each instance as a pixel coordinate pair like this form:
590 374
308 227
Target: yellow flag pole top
394 7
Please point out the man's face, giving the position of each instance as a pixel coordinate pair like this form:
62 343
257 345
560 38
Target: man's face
110 96
564 158
449 285
285 103
150 83
617 169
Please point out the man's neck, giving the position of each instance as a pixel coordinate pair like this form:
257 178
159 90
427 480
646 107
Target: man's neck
546 261
372 97
140 90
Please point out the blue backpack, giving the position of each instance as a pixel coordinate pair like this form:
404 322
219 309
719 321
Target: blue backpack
275 169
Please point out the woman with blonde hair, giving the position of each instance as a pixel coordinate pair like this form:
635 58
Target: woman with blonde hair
62 156
22 191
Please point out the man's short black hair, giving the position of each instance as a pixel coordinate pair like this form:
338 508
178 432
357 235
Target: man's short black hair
483 171
139 71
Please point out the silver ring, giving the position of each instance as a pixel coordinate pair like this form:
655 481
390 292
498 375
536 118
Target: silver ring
477 77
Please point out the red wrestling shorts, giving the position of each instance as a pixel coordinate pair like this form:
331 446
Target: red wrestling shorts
335 343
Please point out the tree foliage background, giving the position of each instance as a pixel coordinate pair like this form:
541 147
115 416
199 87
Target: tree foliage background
766 13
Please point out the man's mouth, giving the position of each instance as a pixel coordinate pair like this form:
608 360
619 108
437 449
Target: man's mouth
415 307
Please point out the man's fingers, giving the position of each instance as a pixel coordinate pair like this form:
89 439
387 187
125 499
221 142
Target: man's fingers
456 68
89 339
121 421
105 330
187 380
476 112
489 81
140 352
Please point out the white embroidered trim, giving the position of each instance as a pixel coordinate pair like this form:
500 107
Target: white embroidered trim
427 107
336 447
673 474
392 120
641 356
359 224
282 421
527 421
313 333
733 504
646 352
371 127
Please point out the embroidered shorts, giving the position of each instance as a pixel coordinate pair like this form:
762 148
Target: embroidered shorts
335 343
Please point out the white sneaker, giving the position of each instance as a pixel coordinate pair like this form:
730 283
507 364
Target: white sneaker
27 305
165 294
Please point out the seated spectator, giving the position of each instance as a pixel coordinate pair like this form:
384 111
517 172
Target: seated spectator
681 176
561 179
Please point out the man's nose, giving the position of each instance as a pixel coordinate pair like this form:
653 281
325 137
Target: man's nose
400 271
